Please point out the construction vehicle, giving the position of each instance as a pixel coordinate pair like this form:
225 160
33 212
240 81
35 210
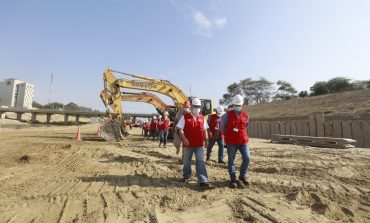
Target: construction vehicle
112 96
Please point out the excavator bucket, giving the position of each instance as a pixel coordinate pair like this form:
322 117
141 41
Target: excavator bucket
113 131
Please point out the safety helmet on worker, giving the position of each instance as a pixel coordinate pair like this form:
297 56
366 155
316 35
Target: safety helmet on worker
196 102
220 109
238 100
154 117
166 113
186 104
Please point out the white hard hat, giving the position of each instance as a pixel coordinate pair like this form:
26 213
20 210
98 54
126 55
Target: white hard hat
238 100
154 117
220 109
166 113
196 102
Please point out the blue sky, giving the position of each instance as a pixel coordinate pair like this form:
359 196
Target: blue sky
206 44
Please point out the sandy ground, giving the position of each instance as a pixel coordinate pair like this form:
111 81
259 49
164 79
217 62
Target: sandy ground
47 176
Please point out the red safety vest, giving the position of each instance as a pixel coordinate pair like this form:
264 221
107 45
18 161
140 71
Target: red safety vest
153 124
213 124
240 123
146 126
164 124
193 130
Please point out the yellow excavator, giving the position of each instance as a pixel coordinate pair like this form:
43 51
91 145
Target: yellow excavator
112 96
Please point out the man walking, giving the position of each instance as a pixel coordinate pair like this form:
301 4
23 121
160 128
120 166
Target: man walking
164 125
193 131
154 127
176 136
146 128
216 134
234 125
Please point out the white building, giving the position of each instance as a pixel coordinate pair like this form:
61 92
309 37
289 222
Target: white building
16 93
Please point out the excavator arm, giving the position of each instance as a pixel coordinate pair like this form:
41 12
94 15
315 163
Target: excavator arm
146 98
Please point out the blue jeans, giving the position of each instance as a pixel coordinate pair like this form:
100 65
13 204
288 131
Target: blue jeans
231 152
163 136
220 143
199 163
153 133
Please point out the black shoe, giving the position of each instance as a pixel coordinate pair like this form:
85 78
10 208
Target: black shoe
221 161
206 186
207 159
244 181
240 184
233 184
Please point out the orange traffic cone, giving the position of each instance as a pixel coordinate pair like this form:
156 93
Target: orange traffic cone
78 135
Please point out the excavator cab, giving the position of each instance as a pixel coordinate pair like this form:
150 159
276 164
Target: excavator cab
206 107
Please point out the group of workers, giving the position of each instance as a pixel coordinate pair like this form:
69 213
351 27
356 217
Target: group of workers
157 128
227 129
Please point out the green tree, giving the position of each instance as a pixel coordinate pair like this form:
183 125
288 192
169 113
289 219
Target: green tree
247 89
319 88
53 105
261 90
361 84
303 94
232 90
253 91
36 105
339 84
71 107
285 90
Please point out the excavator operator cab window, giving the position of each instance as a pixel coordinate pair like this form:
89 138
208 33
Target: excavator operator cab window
206 107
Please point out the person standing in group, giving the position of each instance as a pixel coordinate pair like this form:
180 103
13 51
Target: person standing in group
176 136
216 134
146 129
193 131
234 125
154 127
163 126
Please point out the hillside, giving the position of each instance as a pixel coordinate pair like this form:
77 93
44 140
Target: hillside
350 103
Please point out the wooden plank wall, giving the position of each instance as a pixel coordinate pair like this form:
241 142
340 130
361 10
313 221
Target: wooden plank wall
314 125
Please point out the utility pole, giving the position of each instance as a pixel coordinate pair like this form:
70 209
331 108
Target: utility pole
50 87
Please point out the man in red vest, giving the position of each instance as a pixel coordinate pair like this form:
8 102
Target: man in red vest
193 132
215 134
176 136
146 128
163 126
234 125
154 127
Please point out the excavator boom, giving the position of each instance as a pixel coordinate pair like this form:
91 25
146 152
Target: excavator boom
147 98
